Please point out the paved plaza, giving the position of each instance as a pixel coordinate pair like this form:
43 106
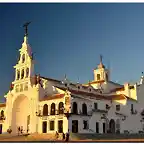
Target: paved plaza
44 138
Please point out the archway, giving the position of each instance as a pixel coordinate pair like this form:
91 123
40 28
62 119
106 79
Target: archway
112 126
20 114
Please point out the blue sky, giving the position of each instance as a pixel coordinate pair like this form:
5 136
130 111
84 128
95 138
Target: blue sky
68 39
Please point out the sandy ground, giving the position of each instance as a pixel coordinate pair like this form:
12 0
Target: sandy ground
7 137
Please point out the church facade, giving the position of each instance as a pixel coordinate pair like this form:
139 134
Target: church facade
46 105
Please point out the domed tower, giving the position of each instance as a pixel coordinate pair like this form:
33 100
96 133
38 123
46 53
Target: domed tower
101 73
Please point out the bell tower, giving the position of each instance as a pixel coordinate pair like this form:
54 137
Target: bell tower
101 73
24 68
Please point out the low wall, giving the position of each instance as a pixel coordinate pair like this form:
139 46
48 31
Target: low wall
106 136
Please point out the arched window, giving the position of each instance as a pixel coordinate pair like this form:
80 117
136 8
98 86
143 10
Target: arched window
98 76
74 108
52 109
18 74
84 109
2 113
22 74
45 110
27 72
23 58
61 108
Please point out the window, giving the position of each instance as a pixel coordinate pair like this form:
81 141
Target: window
53 109
98 76
65 85
61 108
95 106
22 74
107 107
97 127
2 113
23 58
117 107
85 123
74 108
84 109
132 107
18 74
45 110
51 125
131 87
27 72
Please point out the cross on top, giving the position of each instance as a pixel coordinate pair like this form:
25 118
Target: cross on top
26 27
101 58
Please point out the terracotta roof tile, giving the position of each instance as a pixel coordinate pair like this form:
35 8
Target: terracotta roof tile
92 95
2 105
56 96
118 89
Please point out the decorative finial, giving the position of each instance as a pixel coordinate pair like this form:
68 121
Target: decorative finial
65 77
101 58
26 28
78 80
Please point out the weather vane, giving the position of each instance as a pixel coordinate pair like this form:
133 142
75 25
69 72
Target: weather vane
26 27
101 58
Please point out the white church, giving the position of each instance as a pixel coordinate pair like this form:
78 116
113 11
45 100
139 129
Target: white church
45 105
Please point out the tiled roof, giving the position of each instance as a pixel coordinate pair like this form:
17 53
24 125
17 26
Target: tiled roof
56 96
117 89
92 95
2 104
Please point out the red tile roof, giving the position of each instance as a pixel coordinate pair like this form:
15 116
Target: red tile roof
97 96
117 89
56 96
2 105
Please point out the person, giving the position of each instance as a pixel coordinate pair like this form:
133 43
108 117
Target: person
19 130
67 136
57 135
63 136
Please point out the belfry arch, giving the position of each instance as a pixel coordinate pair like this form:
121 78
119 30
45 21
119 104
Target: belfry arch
20 113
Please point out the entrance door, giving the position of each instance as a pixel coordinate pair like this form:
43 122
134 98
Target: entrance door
60 126
104 127
112 126
97 127
0 128
44 127
75 126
